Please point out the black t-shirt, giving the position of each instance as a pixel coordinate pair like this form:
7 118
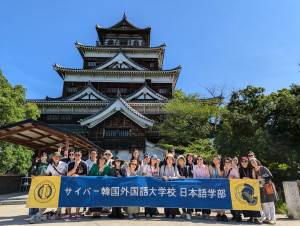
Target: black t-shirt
81 168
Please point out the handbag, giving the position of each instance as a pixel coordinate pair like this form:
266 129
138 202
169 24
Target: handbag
269 188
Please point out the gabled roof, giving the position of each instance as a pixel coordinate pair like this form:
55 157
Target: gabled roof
120 60
88 93
119 105
122 25
145 93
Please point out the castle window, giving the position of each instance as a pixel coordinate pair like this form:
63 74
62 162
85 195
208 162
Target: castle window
51 117
91 64
66 117
110 42
151 64
123 42
136 43
123 90
72 89
163 90
117 132
111 90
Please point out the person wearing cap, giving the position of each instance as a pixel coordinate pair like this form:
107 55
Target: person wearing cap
267 200
131 171
108 155
75 169
183 171
57 168
169 171
246 172
117 171
101 168
37 169
151 170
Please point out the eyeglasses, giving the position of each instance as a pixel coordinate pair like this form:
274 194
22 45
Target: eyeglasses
244 161
77 154
227 162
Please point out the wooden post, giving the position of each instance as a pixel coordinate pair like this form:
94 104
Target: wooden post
66 152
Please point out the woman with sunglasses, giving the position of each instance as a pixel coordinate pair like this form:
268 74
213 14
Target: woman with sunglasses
231 172
99 169
132 171
216 170
202 171
246 172
151 170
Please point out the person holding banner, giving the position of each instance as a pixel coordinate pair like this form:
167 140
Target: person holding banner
57 168
101 168
151 170
169 171
268 194
131 171
117 171
202 171
183 171
190 163
246 172
76 168
231 172
216 170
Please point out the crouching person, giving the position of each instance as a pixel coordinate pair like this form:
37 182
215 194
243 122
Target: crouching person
57 168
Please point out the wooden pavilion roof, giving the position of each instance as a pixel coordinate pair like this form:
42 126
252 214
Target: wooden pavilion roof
43 137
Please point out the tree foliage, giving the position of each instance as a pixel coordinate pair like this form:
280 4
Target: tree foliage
15 159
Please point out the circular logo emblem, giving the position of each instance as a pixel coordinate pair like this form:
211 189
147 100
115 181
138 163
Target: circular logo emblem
44 191
244 193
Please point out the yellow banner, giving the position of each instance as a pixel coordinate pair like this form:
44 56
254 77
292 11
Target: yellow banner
245 194
44 192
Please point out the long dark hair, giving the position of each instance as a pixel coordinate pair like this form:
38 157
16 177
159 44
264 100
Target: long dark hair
156 165
139 160
221 162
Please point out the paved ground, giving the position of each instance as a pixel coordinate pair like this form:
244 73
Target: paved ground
17 214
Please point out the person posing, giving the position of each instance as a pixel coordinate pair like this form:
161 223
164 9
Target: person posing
216 170
36 170
92 160
267 200
136 156
131 171
109 157
76 168
117 171
201 171
183 171
151 170
235 162
169 171
57 168
101 168
232 172
145 162
190 163
246 172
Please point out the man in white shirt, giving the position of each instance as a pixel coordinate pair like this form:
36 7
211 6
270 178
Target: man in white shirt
57 168
93 159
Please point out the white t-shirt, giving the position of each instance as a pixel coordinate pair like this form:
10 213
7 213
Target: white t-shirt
90 164
62 168
149 170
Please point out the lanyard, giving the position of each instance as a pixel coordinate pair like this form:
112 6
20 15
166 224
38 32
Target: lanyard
199 170
170 172
245 174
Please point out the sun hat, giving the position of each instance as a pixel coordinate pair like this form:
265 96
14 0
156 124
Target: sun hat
118 159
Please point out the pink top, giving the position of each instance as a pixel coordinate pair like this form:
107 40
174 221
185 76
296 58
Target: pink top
234 173
200 172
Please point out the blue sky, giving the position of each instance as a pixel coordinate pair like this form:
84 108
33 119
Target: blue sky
233 43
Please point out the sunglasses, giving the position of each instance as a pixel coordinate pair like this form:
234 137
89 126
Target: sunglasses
250 155
71 154
227 162
199 159
244 161
106 154
77 154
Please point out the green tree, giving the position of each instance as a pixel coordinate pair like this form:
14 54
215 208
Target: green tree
189 122
13 108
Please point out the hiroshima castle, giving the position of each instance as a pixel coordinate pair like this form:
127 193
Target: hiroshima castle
116 98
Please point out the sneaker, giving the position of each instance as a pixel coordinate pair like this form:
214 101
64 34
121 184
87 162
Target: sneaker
130 216
68 217
272 222
188 217
148 215
77 217
35 219
265 221
219 217
224 218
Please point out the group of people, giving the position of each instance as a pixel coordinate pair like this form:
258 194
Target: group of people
170 168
